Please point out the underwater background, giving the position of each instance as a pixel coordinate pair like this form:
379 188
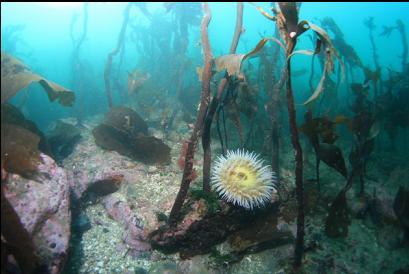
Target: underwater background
113 160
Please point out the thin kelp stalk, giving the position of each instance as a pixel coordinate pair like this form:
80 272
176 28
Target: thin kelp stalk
181 43
275 135
401 29
108 65
215 104
313 37
287 23
310 80
371 26
76 66
204 101
287 20
299 245
275 97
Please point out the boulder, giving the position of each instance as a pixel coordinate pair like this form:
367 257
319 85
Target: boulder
43 206
62 139
124 131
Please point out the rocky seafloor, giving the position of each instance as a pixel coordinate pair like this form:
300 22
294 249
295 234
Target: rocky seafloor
107 233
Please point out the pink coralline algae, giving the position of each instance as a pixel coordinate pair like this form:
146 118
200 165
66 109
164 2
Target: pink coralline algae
134 235
43 205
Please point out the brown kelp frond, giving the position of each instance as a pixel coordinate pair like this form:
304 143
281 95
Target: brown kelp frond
263 12
330 53
261 44
332 156
348 53
19 149
290 12
136 79
321 134
15 76
320 87
387 31
232 62
201 115
338 219
373 75
369 23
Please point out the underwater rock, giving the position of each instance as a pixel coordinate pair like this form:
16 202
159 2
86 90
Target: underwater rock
43 207
125 132
62 140
134 235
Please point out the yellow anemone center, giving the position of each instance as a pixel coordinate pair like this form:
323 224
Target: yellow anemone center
243 176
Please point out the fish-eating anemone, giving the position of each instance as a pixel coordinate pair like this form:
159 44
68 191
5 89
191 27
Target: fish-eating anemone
241 178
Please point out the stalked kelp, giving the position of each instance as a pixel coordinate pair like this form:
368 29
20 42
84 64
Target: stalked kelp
78 67
202 115
214 104
290 29
321 134
204 101
369 23
348 54
111 55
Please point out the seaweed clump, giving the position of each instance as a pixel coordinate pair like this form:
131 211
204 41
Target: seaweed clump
12 115
21 142
124 131
19 150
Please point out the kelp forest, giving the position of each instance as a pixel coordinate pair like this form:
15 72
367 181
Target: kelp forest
204 138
